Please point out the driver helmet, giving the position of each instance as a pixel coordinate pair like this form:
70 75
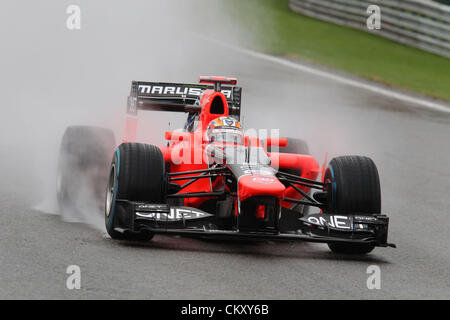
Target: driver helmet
225 130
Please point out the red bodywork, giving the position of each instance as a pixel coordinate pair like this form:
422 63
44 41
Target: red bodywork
186 150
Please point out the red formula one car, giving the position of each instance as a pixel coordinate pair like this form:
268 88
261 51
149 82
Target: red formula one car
213 181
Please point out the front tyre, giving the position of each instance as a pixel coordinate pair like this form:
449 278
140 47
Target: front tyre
354 188
136 174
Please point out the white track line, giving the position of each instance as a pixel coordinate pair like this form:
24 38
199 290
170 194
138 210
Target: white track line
366 86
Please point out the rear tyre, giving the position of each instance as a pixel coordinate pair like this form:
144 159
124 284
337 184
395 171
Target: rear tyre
84 157
295 146
136 174
355 188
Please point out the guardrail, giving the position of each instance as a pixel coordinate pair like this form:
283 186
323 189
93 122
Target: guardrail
419 23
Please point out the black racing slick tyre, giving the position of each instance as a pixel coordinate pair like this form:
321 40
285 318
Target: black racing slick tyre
136 174
82 173
354 188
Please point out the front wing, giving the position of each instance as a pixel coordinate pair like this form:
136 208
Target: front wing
135 217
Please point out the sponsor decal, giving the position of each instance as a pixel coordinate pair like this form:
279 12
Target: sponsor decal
365 218
229 122
256 169
175 214
227 93
152 207
263 179
338 222
175 90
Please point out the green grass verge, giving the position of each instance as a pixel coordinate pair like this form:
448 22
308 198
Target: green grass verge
274 29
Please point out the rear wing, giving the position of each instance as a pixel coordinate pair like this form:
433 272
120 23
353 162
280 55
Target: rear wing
177 97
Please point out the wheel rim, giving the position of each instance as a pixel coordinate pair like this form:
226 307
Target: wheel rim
111 189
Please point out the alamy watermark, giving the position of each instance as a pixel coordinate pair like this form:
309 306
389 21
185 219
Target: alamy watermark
74 279
194 148
374 279
374 20
73 21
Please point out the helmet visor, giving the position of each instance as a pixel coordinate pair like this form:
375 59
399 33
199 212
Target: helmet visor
227 136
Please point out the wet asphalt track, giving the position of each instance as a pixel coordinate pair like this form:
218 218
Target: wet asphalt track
410 146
